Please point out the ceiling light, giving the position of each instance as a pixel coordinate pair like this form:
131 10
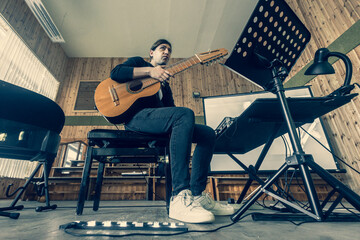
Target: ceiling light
38 9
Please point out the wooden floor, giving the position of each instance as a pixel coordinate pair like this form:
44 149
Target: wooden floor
45 225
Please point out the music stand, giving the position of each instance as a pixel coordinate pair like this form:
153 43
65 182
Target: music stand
269 46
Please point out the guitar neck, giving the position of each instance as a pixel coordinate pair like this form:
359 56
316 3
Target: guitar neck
183 65
174 69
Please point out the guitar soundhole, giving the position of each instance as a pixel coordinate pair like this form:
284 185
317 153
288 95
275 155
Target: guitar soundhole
135 86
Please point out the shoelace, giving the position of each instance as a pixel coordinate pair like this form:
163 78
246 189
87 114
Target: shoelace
208 199
187 199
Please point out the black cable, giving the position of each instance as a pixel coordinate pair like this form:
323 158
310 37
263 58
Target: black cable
286 144
305 206
357 85
348 209
285 193
330 151
125 206
147 183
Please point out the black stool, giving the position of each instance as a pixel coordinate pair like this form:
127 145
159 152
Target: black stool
112 146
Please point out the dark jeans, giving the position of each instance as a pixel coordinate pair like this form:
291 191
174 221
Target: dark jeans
179 122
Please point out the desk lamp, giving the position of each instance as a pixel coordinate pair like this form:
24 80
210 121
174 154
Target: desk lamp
322 66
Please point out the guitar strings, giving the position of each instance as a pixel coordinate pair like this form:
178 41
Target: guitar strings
182 68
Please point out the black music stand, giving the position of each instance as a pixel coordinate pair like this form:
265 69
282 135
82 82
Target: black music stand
269 46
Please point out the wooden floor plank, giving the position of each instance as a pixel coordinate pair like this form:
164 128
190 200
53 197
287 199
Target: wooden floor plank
45 225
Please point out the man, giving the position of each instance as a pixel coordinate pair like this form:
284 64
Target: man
160 116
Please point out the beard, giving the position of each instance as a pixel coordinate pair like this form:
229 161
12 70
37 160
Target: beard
163 63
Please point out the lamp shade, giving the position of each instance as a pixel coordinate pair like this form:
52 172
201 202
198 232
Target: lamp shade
321 64
320 68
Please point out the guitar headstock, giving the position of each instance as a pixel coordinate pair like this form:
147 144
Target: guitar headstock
210 56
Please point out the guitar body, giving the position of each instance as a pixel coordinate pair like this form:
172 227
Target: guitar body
118 102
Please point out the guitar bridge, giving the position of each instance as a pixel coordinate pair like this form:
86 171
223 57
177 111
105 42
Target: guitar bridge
114 96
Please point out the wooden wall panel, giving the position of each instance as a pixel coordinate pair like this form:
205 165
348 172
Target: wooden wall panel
22 20
327 20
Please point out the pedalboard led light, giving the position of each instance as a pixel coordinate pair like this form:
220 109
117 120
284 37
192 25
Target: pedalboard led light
124 225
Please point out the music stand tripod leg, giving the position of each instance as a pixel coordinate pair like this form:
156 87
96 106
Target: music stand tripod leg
268 190
236 216
347 193
258 163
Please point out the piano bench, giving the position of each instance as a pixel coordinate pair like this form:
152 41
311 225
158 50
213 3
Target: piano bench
121 146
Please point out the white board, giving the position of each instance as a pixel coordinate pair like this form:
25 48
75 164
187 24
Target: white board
219 107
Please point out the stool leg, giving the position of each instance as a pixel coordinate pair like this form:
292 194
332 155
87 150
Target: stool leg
84 181
98 186
168 183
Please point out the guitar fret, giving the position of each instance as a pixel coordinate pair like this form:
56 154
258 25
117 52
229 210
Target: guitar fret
182 66
186 64
170 70
179 67
148 82
194 59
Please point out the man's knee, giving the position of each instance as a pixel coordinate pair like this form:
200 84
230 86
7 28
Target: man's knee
185 114
210 134
204 134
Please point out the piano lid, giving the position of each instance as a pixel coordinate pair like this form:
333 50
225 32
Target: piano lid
25 106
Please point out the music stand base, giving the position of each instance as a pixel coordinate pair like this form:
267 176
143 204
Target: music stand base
335 217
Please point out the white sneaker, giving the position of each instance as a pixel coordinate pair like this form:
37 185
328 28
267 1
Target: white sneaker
215 207
183 208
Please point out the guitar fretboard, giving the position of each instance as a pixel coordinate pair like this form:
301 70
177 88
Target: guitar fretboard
173 69
183 65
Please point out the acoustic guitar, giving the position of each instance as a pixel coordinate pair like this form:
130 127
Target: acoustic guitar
118 101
